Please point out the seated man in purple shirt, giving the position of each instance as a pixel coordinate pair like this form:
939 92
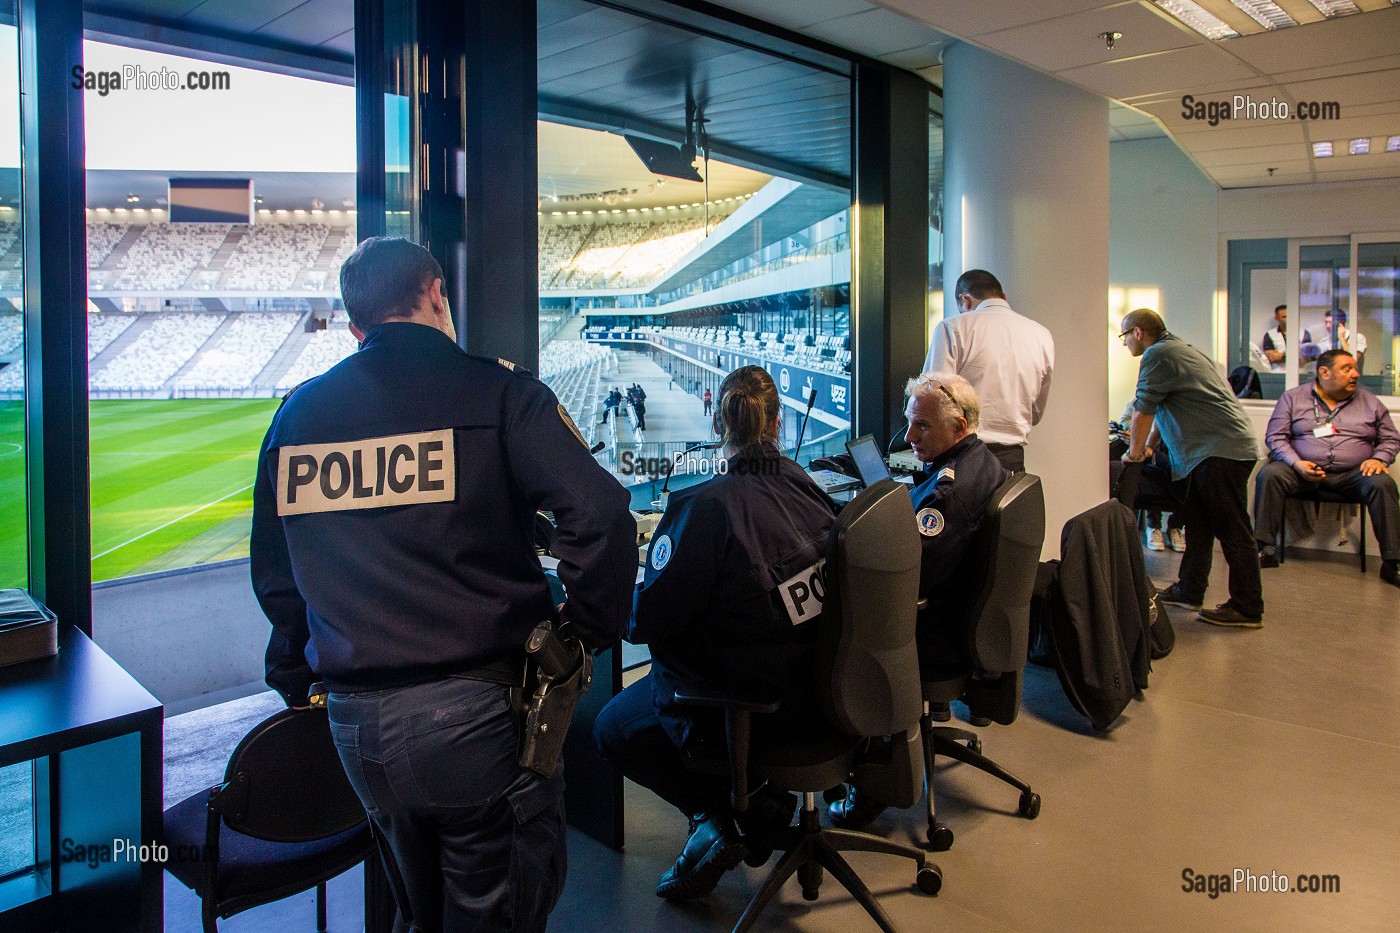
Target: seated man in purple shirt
1337 435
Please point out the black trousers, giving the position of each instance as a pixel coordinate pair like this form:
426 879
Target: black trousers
1277 481
1011 456
1214 506
629 734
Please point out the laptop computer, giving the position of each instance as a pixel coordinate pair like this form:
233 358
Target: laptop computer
870 464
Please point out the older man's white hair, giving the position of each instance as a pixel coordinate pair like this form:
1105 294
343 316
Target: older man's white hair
953 394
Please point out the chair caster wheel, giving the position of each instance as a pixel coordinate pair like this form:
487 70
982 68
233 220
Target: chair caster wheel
974 745
1030 805
833 794
940 837
929 880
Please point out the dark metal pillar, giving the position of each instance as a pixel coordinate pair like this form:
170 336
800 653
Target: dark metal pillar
55 308
890 237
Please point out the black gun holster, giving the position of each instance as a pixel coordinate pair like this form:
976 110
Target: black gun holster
559 671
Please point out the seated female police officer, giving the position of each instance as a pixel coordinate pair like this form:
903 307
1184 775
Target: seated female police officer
726 599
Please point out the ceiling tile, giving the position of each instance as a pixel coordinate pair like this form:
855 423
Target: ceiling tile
1166 72
1238 136
1072 41
1350 91
969 20
1362 66
875 32
1253 155
1344 39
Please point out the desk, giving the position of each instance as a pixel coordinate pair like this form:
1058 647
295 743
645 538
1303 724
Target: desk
94 735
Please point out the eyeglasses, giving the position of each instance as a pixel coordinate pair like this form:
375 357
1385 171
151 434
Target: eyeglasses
1126 332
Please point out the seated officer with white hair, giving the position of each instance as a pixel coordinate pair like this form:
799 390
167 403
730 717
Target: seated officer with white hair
731 595
960 477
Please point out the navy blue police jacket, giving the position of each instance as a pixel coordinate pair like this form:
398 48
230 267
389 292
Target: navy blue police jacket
949 506
733 585
393 517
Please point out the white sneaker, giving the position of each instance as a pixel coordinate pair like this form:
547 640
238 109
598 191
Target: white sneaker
1154 540
1176 540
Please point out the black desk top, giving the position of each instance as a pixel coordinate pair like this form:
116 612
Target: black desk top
79 696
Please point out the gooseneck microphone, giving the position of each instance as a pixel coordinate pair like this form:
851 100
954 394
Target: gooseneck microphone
811 400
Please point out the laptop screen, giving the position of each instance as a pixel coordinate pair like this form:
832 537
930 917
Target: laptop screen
869 463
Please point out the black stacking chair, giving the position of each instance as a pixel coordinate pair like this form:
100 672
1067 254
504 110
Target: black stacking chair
1319 495
867 683
1007 550
284 820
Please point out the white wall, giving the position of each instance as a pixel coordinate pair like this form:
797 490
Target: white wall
1026 160
1161 249
1310 210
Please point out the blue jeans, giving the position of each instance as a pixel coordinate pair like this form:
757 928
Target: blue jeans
478 840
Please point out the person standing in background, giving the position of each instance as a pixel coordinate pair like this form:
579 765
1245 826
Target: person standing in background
1007 357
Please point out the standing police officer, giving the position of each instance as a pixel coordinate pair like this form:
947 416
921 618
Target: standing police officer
392 551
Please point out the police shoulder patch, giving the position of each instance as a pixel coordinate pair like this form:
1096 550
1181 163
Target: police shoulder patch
569 423
661 551
931 522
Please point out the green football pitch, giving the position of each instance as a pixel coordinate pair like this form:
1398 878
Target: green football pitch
172 483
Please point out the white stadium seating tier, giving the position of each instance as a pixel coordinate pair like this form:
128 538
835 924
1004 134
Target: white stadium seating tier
243 350
322 351
104 328
158 352
11 331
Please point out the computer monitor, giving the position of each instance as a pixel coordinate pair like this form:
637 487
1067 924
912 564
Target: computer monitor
870 464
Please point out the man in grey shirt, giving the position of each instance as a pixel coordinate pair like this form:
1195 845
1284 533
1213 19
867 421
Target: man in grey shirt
1183 399
1335 434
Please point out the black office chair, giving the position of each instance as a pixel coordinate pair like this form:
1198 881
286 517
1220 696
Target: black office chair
867 682
1319 495
1007 549
284 820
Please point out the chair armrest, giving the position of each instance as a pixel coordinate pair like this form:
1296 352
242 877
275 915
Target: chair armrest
739 708
726 697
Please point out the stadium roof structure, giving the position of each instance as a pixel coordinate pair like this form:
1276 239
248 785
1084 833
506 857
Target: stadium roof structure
600 68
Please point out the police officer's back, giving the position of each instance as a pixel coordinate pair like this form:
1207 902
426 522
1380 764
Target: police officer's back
393 553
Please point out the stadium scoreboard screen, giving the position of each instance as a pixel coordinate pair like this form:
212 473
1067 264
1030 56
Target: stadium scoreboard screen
211 200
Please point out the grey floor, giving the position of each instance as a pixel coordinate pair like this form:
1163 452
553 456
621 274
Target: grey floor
1270 750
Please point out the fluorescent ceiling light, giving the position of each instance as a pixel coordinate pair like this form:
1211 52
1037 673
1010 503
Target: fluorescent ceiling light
1335 7
1322 150
1392 144
1203 21
1360 146
1266 13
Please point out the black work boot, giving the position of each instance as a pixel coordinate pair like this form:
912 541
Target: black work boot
769 813
857 811
713 848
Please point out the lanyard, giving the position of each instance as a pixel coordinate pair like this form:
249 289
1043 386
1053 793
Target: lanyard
1317 415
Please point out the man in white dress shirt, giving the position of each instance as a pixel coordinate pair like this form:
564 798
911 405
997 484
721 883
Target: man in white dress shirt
1007 357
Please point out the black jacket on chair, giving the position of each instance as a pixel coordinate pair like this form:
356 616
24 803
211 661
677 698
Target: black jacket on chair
1100 617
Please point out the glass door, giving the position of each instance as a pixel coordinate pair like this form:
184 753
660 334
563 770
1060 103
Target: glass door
1375 296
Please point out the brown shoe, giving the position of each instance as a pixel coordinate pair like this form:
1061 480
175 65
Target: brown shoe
1227 615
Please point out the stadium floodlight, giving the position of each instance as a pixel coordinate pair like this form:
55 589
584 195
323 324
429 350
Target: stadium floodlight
665 158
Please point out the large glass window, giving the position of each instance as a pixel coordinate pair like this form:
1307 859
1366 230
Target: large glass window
213 285
1347 297
14 562
1376 323
694 199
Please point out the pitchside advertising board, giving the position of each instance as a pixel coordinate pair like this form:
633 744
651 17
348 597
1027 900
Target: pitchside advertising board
794 381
